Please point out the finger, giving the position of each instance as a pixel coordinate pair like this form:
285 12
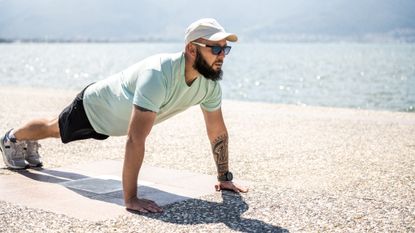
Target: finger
235 189
157 208
141 210
151 203
217 187
242 189
227 186
134 209
153 207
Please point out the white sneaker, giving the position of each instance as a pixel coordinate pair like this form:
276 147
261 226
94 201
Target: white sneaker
13 153
32 153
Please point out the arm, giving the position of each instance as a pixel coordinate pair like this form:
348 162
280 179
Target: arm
218 136
141 122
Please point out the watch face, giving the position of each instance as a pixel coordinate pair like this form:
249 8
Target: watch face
229 176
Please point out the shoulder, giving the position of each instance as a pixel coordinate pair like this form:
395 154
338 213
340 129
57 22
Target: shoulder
162 61
157 62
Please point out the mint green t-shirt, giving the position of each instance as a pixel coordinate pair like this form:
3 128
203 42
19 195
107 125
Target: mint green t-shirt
156 83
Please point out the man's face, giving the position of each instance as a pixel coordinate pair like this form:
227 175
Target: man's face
208 64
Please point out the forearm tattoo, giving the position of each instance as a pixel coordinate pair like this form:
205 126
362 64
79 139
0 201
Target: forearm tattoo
220 153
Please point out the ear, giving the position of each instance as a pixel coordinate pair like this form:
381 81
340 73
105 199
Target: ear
191 50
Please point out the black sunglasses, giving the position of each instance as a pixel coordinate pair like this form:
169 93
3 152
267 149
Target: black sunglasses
216 49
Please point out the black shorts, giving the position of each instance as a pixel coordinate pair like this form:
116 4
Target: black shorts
74 124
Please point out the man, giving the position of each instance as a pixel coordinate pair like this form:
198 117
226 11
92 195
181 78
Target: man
132 101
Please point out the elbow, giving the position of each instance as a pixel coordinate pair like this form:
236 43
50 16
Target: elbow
214 132
136 140
214 135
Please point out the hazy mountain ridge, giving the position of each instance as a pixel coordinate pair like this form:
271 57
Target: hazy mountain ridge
302 20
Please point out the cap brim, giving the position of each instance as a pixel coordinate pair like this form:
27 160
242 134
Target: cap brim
222 35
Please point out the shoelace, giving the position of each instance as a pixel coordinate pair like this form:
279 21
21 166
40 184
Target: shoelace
18 150
33 144
33 147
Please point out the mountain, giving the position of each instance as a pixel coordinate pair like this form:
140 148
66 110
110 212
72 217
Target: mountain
167 20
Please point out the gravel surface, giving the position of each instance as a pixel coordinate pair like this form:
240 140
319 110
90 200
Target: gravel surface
311 169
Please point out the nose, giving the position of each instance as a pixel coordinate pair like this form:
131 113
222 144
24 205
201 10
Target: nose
222 53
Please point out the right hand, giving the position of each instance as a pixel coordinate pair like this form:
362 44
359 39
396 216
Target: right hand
142 205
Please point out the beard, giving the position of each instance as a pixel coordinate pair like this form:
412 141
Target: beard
205 69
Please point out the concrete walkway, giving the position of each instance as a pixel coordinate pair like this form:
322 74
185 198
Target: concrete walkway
83 190
310 169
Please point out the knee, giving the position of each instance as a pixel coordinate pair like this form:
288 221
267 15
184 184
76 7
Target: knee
53 128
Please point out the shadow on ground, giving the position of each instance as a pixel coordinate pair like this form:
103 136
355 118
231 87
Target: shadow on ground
185 211
228 212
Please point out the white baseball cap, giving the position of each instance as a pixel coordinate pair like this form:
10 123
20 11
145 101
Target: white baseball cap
208 29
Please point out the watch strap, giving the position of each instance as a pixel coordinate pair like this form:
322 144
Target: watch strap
227 176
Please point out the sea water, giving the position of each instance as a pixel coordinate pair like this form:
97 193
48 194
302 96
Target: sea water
352 75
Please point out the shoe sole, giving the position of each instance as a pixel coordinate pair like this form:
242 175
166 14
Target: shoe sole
36 165
8 165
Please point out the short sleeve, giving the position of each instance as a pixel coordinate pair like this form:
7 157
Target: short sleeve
150 90
214 100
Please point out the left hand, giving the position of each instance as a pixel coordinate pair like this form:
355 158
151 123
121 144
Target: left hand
229 185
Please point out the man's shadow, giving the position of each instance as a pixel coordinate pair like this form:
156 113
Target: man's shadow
228 212
187 212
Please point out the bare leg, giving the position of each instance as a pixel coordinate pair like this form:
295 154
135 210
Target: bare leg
38 129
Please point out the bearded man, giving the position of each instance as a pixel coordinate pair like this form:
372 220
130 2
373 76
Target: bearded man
132 101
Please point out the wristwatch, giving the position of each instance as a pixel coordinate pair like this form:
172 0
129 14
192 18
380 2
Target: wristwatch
227 176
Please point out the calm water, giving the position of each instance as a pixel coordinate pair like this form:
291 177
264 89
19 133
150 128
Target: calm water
370 76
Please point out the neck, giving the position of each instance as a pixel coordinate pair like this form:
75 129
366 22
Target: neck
189 72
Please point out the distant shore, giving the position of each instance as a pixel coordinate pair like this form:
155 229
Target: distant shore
278 39
86 40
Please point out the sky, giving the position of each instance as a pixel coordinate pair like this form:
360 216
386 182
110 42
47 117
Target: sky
167 20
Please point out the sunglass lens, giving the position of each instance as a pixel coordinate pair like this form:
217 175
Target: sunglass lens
227 49
216 50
